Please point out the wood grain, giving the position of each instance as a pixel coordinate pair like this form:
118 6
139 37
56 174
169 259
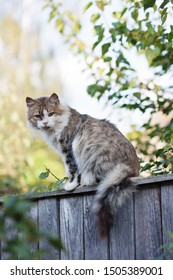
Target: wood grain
48 210
167 214
141 182
95 247
139 228
148 228
11 233
33 215
71 227
122 243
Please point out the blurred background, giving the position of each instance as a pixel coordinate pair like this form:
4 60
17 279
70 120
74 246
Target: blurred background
34 61
28 68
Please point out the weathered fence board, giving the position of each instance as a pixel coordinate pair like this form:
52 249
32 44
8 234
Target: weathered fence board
48 219
122 234
148 223
12 232
95 248
167 211
71 227
33 214
139 230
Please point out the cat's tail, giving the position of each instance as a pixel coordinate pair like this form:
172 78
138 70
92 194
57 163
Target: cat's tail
111 194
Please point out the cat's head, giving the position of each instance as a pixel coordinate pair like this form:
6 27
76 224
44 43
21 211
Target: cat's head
43 112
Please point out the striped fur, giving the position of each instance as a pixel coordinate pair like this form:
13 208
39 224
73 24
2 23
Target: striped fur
94 152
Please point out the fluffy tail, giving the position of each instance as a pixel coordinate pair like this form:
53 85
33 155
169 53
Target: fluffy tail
111 195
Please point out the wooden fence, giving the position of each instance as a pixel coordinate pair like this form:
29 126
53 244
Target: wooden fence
139 230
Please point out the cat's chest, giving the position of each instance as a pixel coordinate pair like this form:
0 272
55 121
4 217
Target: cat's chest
53 141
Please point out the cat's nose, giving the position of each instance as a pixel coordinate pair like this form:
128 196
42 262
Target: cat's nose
45 122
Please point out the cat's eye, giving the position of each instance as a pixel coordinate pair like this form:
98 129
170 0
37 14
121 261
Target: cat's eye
51 114
37 116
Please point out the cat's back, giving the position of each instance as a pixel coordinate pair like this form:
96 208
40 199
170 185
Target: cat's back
99 137
102 130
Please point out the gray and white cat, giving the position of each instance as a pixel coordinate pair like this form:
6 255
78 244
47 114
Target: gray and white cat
94 153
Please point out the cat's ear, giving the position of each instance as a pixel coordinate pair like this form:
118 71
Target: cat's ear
30 102
54 99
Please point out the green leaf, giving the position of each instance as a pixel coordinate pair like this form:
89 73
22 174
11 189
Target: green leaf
100 33
95 17
137 95
59 182
164 4
87 6
113 33
123 11
171 159
56 243
117 25
164 15
53 13
135 14
147 166
150 28
105 48
151 54
107 59
148 3
102 3
121 59
50 187
60 25
92 89
117 15
159 152
44 175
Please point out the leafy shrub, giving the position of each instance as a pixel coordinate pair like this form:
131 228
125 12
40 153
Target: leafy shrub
19 234
144 27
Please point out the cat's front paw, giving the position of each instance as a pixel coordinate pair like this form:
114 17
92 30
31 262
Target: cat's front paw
70 186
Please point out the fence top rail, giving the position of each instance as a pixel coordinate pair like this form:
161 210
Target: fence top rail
142 182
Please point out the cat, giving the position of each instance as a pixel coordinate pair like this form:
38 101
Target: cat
94 151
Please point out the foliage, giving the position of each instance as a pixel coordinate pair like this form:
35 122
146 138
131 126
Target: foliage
55 185
140 27
22 73
24 232
167 248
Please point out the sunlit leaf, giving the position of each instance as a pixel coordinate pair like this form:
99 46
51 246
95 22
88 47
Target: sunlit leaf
151 54
60 25
80 44
100 33
87 6
95 17
44 175
105 48
102 3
